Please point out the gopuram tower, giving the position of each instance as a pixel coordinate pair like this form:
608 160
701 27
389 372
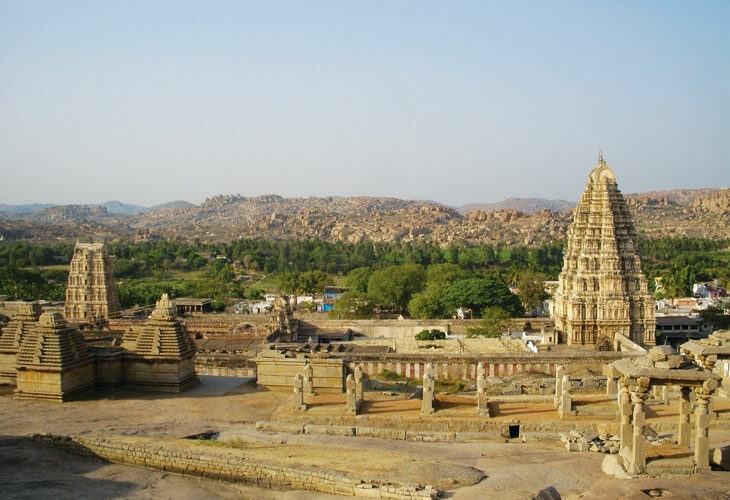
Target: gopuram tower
91 294
602 290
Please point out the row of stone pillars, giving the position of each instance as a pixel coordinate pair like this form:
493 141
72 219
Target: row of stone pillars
428 406
632 415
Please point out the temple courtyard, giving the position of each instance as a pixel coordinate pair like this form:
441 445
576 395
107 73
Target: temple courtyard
228 409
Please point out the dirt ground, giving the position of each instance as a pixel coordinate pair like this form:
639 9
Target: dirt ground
230 406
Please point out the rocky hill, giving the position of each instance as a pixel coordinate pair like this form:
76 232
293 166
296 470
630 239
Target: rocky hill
704 212
527 205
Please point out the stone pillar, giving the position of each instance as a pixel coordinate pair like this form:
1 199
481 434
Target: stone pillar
482 407
702 426
430 370
559 372
656 392
685 408
665 394
624 406
298 404
566 399
351 401
358 383
638 440
427 402
611 386
308 380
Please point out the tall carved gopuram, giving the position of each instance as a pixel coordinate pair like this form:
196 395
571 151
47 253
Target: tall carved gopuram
602 290
91 294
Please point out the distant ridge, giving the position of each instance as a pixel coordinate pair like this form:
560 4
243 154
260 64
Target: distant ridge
113 207
117 207
24 209
170 204
526 205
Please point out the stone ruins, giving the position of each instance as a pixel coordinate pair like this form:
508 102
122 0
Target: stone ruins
602 290
11 338
53 362
47 358
91 295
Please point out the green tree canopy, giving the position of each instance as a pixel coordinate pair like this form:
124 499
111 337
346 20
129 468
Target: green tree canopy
312 281
495 320
352 305
531 291
478 294
358 278
393 286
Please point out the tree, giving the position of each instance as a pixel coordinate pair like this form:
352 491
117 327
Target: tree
289 282
531 290
312 281
495 320
426 304
444 274
393 286
254 294
433 334
352 305
477 294
358 278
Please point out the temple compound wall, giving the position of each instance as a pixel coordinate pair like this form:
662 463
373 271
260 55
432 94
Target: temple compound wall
53 360
275 371
90 293
602 290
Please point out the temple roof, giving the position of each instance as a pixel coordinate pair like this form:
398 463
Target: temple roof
53 343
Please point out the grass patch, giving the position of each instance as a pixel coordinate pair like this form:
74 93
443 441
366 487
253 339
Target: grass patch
391 376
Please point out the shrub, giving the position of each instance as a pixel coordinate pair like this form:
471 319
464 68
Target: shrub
433 334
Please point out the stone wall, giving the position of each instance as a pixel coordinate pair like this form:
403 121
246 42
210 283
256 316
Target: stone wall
463 429
53 384
225 365
227 464
464 366
460 366
408 328
328 375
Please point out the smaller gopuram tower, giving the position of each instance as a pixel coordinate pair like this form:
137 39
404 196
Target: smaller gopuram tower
160 353
91 294
283 319
11 337
54 362
602 290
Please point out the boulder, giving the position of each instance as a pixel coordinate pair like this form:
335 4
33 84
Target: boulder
660 352
548 493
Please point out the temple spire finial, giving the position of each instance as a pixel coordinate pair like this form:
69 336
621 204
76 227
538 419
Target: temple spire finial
601 161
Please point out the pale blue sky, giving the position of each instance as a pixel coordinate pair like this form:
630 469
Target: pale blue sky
457 102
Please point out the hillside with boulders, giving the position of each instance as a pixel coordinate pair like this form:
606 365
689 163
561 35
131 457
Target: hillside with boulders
686 212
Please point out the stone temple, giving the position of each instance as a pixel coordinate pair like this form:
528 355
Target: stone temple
90 295
602 290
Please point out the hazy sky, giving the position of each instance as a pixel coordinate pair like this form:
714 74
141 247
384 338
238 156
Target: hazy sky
456 102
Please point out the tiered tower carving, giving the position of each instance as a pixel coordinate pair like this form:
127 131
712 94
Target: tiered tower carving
91 294
54 361
602 290
22 323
